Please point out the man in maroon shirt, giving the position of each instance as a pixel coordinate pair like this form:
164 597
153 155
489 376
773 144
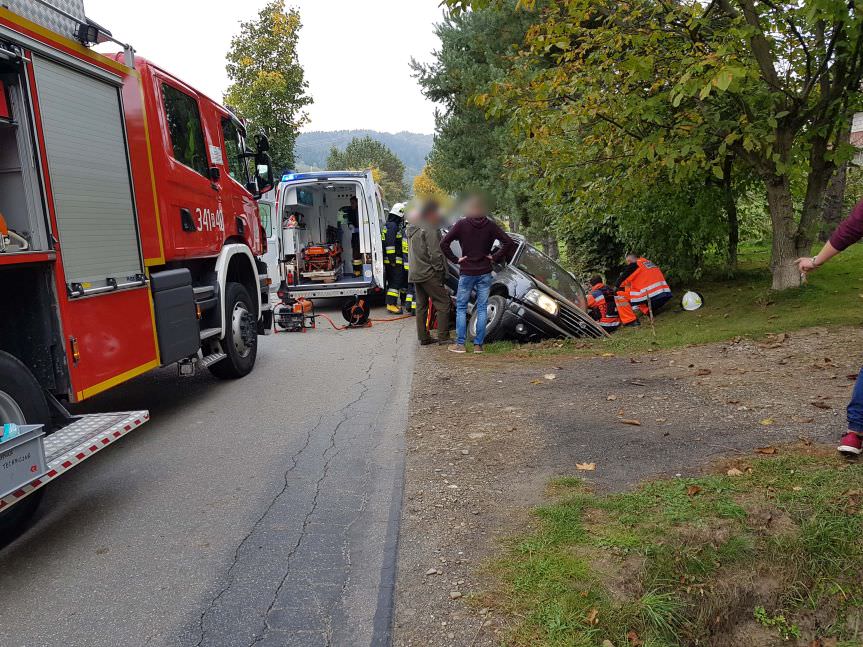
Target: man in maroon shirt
476 234
846 234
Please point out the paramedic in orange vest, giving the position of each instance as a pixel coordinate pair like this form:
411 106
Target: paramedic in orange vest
641 282
601 305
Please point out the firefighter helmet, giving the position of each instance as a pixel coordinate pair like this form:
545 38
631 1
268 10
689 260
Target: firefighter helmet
398 209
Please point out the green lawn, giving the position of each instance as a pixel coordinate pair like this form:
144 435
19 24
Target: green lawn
740 307
774 545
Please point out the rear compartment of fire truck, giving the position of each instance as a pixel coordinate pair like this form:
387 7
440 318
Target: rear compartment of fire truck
78 114
323 253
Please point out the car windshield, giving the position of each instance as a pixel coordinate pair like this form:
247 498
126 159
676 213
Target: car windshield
533 262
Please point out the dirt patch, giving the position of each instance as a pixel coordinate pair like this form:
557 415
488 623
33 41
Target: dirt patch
488 433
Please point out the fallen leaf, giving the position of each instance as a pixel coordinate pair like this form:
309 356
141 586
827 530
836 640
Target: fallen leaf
611 397
637 383
767 422
593 616
732 402
734 472
633 639
632 360
550 376
803 421
586 467
820 405
660 420
628 421
537 382
692 490
703 371
766 450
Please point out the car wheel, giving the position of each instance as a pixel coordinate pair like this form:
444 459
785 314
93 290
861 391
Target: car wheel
494 326
241 335
22 401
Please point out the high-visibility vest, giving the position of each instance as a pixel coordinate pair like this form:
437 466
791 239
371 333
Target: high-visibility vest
405 258
646 282
603 304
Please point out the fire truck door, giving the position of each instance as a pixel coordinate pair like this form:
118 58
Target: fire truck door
197 211
105 302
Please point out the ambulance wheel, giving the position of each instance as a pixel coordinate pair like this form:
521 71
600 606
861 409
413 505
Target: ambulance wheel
241 335
22 401
494 325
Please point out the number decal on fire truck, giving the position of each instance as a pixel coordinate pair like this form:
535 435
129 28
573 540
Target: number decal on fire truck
210 220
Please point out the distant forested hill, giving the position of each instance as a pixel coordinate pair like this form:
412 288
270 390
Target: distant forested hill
313 148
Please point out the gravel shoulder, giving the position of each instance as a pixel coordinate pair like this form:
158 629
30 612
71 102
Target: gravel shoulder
488 433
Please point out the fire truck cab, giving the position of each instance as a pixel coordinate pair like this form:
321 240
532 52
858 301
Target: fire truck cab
130 235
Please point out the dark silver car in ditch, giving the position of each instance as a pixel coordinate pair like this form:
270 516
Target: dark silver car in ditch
532 298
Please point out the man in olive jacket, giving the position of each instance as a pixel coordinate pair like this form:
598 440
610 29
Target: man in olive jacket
428 271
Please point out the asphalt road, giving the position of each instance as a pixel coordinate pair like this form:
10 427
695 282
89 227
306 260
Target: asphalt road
258 512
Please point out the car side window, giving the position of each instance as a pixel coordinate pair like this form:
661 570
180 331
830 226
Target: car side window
234 147
184 126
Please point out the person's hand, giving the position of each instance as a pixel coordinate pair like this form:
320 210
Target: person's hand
462 260
806 265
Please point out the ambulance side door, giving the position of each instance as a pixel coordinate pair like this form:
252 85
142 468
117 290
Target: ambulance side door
376 218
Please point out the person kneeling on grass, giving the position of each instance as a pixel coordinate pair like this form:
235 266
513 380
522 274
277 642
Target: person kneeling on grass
847 233
476 233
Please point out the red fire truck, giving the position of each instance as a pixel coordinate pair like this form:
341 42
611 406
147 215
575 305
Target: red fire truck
129 235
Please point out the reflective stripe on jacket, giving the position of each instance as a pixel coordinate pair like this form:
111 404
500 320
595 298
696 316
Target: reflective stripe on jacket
646 282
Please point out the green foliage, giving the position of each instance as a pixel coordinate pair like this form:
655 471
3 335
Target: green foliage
603 101
472 149
267 83
777 622
677 561
366 153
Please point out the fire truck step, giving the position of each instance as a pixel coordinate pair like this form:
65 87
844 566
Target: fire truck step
206 333
209 360
204 292
76 442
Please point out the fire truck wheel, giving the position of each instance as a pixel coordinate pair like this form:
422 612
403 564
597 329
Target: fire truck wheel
241 335
22 401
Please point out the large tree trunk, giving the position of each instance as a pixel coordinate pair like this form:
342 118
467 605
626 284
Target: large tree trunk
834 198
784 252
834 203
551 246
820 173
730 203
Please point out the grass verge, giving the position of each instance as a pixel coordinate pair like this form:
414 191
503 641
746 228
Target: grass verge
740 307
768 553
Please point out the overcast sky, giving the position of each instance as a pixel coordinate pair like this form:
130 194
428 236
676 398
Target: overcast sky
355 53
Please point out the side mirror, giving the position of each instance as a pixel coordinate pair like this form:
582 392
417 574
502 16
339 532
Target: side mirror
264 172
214 174
262 143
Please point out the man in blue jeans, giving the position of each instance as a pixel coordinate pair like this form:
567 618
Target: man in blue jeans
476 234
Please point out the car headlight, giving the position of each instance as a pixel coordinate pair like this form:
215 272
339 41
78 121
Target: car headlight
543 301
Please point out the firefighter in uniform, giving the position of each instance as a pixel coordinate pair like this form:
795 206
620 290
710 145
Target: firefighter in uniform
601 305
393 234
642 285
